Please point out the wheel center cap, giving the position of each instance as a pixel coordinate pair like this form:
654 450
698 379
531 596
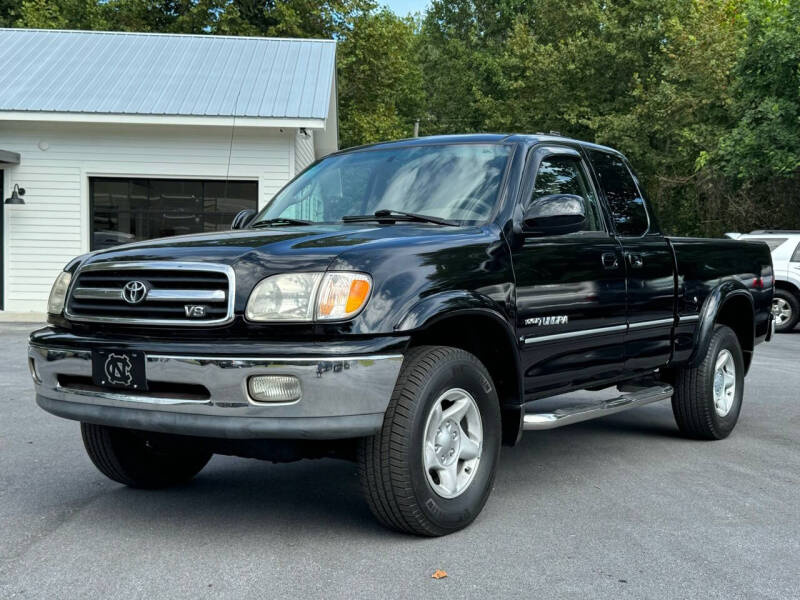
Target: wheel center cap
718 383
448 443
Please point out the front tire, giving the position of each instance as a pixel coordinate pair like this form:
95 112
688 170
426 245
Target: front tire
708 397
785 310
133 459
430 469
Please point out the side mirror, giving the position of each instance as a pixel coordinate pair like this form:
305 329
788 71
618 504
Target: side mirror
243 218
555 214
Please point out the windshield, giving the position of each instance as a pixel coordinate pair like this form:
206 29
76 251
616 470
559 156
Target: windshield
457 182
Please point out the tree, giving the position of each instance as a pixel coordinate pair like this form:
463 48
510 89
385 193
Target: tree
702 95
765 141
380 83
60 14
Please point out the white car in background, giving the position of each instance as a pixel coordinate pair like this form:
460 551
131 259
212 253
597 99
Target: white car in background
785 248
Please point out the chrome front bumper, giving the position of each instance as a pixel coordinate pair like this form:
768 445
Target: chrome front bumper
341 397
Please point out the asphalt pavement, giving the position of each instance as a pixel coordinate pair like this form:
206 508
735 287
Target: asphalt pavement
621 507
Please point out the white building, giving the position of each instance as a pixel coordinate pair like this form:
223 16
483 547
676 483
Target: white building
118 137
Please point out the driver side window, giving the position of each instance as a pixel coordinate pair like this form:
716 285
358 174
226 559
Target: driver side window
565 175
329 196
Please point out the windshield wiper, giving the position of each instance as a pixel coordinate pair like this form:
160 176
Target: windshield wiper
397 215
280 221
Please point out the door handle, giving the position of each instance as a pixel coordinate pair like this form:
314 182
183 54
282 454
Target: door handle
610 260
636 261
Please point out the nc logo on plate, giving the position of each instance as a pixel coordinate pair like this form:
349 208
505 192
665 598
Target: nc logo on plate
118 369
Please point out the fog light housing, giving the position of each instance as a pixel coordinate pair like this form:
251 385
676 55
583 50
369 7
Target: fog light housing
34 371
274 388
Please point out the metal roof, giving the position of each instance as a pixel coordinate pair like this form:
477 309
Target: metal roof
165 74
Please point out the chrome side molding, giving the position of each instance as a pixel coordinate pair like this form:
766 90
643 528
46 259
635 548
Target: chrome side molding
585 412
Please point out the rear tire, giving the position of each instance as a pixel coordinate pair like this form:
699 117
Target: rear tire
132 459
430 469
708 397
785 310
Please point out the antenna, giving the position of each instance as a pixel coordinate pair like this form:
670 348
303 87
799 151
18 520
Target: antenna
230 145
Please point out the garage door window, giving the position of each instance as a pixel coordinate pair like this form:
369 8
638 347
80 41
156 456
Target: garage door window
129 210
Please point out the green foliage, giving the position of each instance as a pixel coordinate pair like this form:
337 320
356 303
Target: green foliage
765 142
52 14
702 95
380 82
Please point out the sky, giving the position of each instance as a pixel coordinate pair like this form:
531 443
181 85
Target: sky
403 7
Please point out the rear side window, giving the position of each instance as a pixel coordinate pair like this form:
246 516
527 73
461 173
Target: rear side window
796 255
627 206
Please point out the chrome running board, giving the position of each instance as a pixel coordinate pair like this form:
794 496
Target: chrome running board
585 412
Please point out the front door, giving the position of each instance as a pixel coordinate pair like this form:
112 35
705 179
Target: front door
570 287
650 264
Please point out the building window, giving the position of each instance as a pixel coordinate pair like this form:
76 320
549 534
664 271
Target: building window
130 210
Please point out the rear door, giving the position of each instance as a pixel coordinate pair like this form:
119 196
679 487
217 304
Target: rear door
649 263
570 287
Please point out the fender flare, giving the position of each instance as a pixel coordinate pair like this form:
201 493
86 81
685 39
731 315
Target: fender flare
461 303
437 306
718 297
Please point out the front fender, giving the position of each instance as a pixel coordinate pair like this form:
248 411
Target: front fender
458 302
470 312
708 315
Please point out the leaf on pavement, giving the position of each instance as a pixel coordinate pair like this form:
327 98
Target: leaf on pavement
439 574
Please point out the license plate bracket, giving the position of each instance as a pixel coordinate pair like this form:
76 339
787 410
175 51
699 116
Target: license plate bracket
122 369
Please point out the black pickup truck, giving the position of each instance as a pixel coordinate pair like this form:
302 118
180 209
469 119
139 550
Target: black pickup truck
402 305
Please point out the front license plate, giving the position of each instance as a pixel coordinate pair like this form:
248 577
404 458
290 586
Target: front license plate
119 369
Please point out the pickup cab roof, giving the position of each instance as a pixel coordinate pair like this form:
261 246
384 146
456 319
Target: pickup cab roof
485 138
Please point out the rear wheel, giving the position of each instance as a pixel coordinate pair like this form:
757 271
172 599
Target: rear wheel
139 460
430 469
708 397
785 310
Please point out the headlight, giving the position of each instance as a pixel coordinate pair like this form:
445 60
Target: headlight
308 296
58 293
285 297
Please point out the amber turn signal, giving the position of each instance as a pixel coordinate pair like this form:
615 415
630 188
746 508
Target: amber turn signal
342 295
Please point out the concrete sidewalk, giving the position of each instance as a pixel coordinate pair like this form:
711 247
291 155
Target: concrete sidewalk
22 317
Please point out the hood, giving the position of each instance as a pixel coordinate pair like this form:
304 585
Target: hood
257 253
292 247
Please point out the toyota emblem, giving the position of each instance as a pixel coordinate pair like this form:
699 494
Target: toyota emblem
134 292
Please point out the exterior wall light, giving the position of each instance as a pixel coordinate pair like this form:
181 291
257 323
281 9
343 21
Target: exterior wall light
16 195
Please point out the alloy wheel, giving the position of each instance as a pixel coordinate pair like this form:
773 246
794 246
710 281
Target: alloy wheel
724 383
452 443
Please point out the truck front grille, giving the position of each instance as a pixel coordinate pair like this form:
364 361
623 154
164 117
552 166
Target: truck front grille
167 293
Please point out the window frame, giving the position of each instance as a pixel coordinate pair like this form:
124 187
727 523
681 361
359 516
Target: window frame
795 257
145 180
536 155
649 230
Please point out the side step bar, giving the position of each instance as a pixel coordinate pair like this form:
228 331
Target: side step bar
585 412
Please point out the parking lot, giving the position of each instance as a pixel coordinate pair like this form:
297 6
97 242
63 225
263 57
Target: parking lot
621 507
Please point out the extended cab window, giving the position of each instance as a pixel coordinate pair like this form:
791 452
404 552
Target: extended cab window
565 175
796 255
626 204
